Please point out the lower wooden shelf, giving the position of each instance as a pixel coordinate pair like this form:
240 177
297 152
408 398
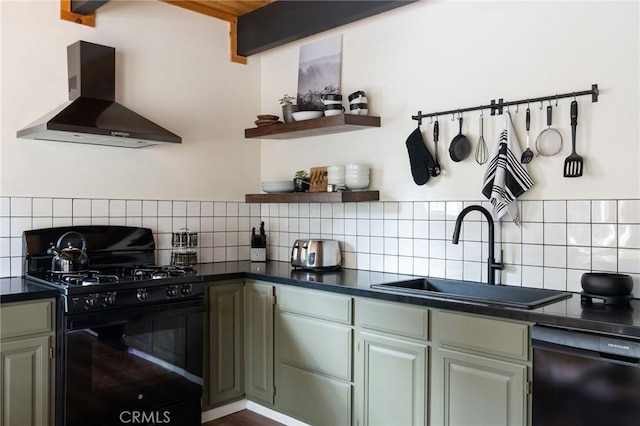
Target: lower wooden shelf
314 197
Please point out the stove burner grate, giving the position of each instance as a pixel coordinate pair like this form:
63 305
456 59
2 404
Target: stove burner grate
84 278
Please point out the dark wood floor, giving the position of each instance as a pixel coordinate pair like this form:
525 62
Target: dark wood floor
243 418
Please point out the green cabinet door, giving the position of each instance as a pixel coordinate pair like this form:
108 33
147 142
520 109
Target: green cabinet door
25 382
259 300
474 390
391 381
225 325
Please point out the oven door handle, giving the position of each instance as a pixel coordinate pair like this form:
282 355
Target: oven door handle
135 314
584 353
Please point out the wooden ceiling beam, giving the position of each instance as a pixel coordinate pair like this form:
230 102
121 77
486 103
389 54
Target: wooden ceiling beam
200 8
67 15
85 7
282 22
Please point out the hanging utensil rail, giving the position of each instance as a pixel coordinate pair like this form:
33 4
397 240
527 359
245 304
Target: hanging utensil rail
497 107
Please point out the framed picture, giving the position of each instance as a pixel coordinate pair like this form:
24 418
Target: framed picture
319 72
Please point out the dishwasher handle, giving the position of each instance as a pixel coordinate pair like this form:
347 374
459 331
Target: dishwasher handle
587 345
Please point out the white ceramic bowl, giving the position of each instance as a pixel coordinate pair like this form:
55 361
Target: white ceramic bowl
357 184
277 186
330 112
306 115
356 167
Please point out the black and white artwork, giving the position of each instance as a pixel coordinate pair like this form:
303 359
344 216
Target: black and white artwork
319 72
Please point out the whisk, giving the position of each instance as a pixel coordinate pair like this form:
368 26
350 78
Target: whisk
482 152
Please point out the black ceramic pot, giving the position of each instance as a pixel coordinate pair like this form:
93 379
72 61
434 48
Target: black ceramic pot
301 185
607 284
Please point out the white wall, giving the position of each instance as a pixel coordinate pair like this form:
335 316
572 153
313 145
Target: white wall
442 55
172 67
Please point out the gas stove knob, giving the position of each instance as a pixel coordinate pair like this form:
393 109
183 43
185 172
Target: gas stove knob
142 294
90 300
187 289
109 299
172 291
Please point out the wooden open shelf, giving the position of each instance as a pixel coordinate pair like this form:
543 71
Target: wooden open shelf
314 197
314 127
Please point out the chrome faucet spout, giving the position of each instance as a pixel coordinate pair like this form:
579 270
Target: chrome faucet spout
492 265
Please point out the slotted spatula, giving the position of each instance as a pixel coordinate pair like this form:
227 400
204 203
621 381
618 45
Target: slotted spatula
573 164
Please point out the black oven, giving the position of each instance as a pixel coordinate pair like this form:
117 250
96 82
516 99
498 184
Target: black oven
132 331
140 366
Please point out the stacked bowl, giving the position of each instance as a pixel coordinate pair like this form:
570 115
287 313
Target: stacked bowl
277 186
336 176
356 176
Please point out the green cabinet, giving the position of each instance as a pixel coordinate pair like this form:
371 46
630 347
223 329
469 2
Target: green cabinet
259 301
313 354
27 336
391 381
391 363
225 381
480 371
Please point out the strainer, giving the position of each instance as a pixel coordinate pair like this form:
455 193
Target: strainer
549 142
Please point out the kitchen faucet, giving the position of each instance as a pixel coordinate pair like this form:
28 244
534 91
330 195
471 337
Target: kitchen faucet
492 265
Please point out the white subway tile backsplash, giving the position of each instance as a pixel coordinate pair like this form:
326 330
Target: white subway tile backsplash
579 211
532 233
604 259
117 208
21 207
555 211
555 233
100 208
579 257
406 237
81 207
629 211
629 261
629 236
62 207
42 207
531 211
579 234
603 235
603 211
555 256
5 206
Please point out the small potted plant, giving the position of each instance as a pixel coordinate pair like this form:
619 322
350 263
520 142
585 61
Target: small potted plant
288 107
301 181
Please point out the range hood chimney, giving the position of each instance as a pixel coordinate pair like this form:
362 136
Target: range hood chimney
92 116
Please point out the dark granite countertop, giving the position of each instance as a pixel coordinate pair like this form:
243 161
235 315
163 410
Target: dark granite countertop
566 313
17 289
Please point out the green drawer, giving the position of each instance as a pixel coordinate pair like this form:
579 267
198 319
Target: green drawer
315 303
315 345
394 318
480 334
26 318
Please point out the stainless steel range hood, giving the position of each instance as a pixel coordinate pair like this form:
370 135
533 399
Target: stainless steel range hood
92 116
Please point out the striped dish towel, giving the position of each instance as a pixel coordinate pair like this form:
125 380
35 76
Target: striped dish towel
506 178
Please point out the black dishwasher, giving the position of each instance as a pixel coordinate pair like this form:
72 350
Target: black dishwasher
583 378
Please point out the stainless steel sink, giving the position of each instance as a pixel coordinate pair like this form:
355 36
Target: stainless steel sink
510 296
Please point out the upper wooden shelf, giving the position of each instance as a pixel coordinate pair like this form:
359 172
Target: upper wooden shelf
315 127
314 197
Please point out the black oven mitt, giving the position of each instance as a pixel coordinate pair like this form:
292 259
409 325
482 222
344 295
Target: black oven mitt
421 160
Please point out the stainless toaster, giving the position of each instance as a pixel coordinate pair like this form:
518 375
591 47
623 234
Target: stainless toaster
316 254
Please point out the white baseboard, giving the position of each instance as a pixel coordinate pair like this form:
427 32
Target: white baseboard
225 410
244 404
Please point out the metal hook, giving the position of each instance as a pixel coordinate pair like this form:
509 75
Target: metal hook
541 106
517 108
431 119
453 116
574 96
481 113
507 106
556 99
527 103
459 115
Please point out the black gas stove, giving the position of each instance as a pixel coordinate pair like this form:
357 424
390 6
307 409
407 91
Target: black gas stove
131 336
121 269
